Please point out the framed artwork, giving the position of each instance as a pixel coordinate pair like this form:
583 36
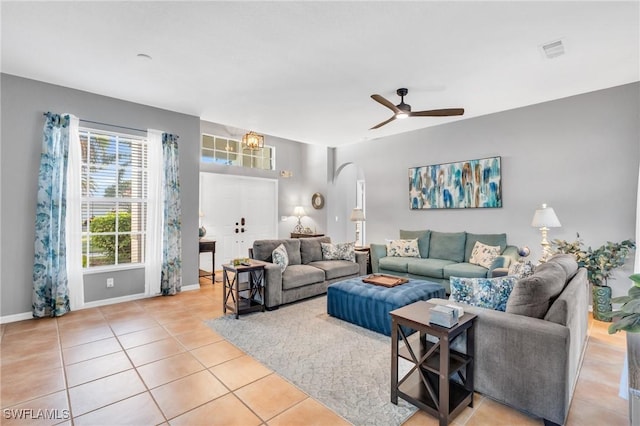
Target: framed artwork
460 185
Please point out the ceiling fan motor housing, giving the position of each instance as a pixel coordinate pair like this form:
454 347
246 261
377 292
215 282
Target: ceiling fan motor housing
402 92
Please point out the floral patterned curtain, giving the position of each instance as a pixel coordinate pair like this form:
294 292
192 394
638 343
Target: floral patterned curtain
171 276
50 282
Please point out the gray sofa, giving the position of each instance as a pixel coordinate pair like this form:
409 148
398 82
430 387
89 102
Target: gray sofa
442 255
532 362
307 274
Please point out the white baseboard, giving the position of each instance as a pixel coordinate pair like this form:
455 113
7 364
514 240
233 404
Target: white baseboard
95 304
16 317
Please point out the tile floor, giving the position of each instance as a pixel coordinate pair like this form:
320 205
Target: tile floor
154 361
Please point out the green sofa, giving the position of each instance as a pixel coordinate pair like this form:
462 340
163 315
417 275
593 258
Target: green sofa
442 255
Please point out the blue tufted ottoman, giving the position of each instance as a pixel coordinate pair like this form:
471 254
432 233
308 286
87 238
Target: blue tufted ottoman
368 305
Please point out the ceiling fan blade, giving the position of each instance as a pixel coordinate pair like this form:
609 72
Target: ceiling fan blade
393 117
438 112
385 102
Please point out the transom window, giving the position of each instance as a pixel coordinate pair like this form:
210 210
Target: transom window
219 150
114 198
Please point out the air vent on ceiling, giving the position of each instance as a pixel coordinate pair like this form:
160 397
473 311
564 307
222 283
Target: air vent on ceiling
553 49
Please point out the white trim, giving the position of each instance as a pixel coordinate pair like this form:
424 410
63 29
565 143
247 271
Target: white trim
16 317
112 268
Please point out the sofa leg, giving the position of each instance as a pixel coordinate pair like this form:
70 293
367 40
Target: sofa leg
550 423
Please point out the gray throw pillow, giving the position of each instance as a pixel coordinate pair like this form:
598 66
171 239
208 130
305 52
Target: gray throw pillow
568 263
531 296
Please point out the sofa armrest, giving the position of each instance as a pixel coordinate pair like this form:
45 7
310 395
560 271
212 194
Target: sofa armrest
377 251
511 253
522 361
361 259
273 285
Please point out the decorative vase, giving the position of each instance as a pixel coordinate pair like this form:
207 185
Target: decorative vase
601 302
202 232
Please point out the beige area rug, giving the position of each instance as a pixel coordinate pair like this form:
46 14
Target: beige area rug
344 366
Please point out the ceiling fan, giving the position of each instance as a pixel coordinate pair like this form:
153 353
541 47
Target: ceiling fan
403 110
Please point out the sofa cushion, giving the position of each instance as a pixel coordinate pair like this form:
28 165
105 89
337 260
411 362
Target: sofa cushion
397 264
490 293
340 251
531 296
301 275
280 257
487 239
464 270
568 263
336 268
428 267
403 248
423 238
263 249
310 249
484 255
447 246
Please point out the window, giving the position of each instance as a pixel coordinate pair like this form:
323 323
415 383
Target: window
114 198
215 149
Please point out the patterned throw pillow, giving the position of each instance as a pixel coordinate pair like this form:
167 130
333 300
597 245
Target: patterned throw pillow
483 254
403 248
491 293
280 257
522 269
340 251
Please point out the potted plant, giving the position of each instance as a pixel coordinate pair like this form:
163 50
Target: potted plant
628 319
629 313
600 264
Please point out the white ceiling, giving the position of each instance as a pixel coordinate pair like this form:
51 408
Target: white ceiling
305 70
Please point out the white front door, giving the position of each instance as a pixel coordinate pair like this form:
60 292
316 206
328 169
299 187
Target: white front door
237 211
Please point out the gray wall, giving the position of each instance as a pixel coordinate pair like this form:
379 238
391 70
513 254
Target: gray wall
579 155
23 103
308 163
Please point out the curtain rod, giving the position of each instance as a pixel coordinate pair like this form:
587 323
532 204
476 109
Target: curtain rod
104 124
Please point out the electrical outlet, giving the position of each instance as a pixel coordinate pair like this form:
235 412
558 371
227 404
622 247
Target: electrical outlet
109 282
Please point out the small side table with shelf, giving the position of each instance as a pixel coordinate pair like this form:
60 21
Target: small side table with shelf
441 379
243 297
205 247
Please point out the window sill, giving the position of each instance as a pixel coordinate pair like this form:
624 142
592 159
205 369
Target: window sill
114 268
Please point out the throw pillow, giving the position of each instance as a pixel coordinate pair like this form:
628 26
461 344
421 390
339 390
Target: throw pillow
521 269
340 251
532 296
280 257
403 248
484 255
490 293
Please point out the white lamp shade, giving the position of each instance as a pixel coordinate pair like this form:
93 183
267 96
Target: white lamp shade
299 211
545 217
357 215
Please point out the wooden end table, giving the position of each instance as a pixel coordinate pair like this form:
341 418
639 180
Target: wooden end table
430 384
246 297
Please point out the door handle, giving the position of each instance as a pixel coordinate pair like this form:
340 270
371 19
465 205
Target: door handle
241 229
242 222
236 230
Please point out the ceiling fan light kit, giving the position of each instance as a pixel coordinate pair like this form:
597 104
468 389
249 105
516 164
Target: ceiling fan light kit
403 110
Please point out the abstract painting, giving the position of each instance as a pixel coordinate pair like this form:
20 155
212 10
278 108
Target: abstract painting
461 185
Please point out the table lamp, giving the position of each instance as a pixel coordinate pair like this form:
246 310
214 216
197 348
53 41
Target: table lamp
545 218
